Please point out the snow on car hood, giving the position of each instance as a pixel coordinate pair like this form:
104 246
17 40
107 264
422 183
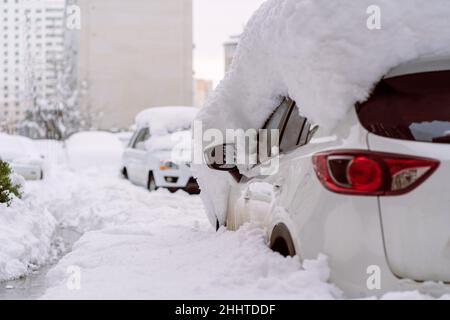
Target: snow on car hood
166 120
322 54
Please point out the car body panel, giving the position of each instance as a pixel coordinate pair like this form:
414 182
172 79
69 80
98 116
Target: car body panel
417 225
347 229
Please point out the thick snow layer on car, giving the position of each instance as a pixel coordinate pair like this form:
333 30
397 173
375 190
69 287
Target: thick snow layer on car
322 54
94 149
166 120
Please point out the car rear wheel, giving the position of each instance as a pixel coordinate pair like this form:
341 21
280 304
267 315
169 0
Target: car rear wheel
42 175
281 241
151 183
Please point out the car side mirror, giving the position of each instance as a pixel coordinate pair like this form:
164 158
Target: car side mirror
221 157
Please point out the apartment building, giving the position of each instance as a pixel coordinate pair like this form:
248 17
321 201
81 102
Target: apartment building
31 41
134 55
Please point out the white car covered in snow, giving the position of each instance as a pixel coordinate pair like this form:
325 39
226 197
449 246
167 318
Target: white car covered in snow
159 153
23 156
370 194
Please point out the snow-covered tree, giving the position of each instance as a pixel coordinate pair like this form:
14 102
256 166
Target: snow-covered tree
58 115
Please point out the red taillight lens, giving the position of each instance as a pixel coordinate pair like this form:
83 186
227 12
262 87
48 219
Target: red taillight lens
365 174
371 173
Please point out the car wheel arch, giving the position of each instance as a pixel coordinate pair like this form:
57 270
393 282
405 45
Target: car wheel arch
281 241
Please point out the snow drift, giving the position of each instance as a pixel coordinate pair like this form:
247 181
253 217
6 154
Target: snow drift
26 234
87 150
322 54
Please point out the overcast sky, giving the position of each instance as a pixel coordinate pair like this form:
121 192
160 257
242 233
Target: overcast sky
214 22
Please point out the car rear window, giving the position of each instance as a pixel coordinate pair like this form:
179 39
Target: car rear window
412 107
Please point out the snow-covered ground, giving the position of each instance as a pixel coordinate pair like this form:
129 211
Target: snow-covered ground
141 245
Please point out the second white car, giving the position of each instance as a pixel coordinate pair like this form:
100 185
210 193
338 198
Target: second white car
158 154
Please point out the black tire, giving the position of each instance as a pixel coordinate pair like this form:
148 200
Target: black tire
173 190
42 175
151 185
192 187
281 241
125 173
217 225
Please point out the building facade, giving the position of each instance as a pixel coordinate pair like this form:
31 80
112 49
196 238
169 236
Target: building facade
230 47
31 40
203 89
134 55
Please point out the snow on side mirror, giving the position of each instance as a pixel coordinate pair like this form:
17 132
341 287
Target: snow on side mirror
221 157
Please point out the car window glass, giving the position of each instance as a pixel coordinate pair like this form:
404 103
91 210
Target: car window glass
412 107
293 131
133 139
276 122
278 116
304 136
142 137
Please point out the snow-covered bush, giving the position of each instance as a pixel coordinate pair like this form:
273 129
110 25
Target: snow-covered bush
8 187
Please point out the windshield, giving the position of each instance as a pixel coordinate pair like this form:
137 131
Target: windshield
413 107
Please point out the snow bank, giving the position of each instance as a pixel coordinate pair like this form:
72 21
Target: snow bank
166 250
89 150
321 54
26 234
166 120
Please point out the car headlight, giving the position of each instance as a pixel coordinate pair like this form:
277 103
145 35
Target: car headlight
168 165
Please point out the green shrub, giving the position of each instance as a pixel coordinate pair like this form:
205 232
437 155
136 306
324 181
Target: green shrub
7 188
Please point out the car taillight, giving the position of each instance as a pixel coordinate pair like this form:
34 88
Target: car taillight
371 173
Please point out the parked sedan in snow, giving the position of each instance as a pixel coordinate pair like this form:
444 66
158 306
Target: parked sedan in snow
159 153
22 155
370 194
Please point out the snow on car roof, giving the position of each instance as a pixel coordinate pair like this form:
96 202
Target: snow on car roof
322 54
166 120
